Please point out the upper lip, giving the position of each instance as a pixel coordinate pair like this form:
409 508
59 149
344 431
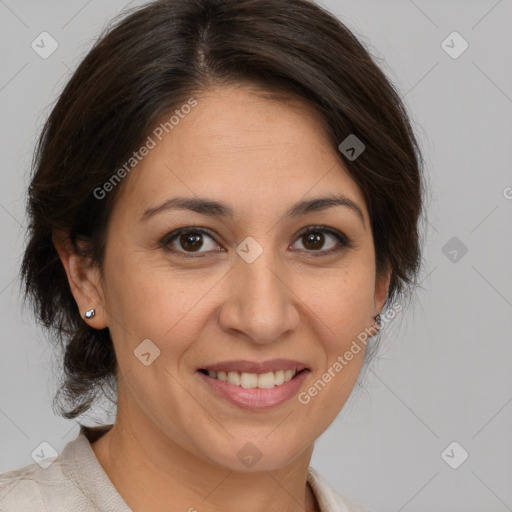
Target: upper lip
243 365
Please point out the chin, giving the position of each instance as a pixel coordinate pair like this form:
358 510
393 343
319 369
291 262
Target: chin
257 453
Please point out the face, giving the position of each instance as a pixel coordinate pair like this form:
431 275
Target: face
252 288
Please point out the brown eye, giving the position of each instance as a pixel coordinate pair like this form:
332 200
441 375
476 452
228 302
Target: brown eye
313 241
323 241
190 240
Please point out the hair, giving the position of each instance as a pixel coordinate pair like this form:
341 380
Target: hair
150 62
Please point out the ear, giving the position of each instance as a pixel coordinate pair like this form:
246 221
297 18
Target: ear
84 280
382 283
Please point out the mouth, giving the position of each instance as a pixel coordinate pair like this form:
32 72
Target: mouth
247 380
255 386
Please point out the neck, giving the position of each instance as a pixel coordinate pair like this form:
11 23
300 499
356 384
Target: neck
151 472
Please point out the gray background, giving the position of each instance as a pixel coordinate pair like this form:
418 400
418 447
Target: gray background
444 370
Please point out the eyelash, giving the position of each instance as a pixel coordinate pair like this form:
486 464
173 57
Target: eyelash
340 237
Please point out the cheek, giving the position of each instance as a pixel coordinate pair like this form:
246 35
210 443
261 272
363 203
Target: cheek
163 305
341 306
342 301
155 304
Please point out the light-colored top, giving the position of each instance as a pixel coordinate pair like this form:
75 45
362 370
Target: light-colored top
76 482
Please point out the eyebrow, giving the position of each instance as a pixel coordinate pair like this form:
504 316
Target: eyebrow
216 209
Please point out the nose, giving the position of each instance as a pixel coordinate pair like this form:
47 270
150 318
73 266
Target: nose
260 303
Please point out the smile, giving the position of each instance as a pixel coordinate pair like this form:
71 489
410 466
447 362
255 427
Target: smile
254 386
254 380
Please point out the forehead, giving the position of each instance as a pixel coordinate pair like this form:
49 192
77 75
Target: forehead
243 149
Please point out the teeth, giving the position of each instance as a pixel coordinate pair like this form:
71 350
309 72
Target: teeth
255 380
279 377
266 380
249 380
234 378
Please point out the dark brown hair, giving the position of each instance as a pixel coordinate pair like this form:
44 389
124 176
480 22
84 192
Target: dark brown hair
149 63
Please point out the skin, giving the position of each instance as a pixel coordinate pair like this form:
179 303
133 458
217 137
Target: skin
174 445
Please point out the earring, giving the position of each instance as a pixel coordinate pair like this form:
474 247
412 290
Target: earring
377 320
90 313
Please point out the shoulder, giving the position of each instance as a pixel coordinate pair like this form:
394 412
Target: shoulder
72 481
56 484
328 499
22 489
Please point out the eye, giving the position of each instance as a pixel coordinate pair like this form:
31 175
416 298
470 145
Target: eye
314 238
187 241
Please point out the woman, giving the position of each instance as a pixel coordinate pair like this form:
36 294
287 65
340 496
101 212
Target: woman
224 205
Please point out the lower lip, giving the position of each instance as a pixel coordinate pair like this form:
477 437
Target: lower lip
255 399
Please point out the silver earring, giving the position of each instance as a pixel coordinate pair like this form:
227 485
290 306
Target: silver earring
378 320
90 313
